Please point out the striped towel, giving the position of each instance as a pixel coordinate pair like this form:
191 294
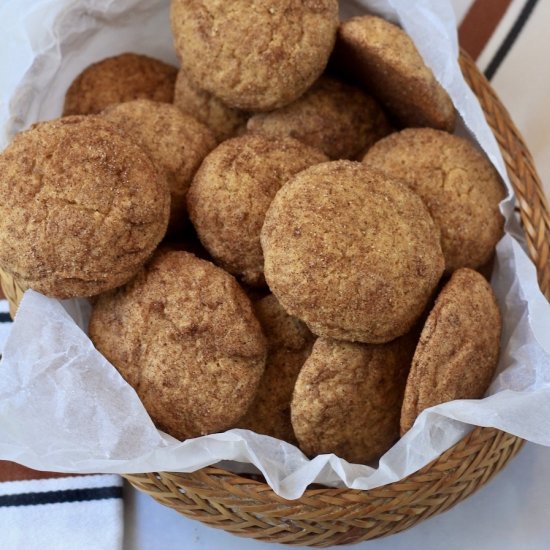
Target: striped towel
41 510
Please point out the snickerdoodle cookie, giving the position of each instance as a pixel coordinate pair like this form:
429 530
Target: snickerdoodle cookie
338 119
177 144
183 334
232 191
384 58
347 399
118 79
223 121
289 344
254 55
352 253
458 350
458 184
84 207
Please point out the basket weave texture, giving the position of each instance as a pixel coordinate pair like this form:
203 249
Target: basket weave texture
325 517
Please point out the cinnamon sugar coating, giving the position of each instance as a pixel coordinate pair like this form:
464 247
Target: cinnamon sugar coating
118 79
183 334
84 207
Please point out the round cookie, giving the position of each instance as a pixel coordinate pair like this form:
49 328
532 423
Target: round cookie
458 350
118 79
176 142
384 58
347 398
352 253
183 334
289 344
84 207
232 191
223 121
335 118
254 55
458 184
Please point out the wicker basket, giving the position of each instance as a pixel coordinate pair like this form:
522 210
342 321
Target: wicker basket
325 517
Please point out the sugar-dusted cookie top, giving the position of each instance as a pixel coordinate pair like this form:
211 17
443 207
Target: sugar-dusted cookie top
254 55
336 118
118 79
176 142
384 58
183 334
84 207
352 253
458 350
347 398
458 184
232 191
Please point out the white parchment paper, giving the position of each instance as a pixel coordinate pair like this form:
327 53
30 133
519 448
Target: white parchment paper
63 407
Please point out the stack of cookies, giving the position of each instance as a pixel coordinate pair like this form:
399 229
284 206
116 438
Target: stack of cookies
281 235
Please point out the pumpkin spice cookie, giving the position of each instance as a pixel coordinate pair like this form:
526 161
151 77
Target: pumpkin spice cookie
177 144
254 55
289 344
458 184
352 253
232 191
222 120
384 58
183 334
347 398
458 350
118 79
335 118
84 207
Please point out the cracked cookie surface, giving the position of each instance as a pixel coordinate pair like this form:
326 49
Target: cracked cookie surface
176 142
254 55
84 207
352 253
118 79
338 119
347 398
458 184
183 334
232 191
458 350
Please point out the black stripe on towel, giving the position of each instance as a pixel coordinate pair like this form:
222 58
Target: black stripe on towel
511 37
5 317
55 497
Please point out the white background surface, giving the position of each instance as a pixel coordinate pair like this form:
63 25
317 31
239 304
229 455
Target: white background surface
511 512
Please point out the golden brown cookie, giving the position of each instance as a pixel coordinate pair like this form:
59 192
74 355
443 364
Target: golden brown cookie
352 253
177 144
386 61
183 334
289 344
458 350
118 79
84 207
232 191
335 118
254 55
458 184
222 120
347 398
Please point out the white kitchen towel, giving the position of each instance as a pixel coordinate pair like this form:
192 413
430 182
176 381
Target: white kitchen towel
66 513
57 513
5 323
